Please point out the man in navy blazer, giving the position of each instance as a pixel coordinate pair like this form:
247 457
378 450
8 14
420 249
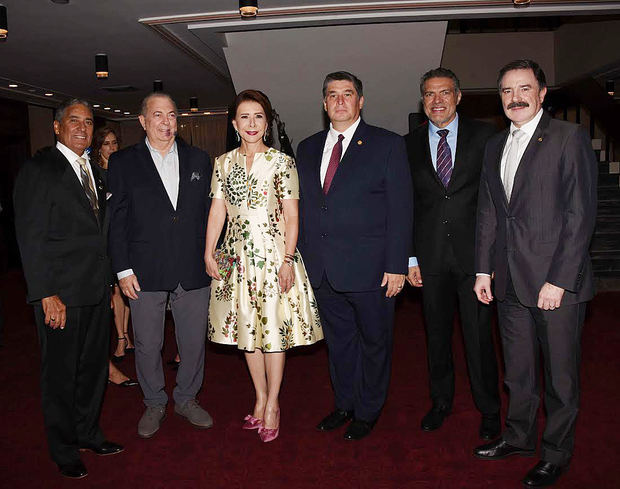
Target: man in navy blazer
356 209
158 217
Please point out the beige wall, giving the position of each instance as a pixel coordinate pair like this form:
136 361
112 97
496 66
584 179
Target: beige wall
584 49
40 120
477 58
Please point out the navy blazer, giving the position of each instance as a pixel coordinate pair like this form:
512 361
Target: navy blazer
543 233
62 243
363 227
163 246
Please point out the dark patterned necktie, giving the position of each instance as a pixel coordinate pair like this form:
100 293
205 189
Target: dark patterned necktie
87 184
334 160
444 158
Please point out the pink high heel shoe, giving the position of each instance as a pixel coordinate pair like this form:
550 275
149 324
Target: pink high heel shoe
269 434
252 423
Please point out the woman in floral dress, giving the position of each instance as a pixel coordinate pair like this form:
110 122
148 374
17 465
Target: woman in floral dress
261 299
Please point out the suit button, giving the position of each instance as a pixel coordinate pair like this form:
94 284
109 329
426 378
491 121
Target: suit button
447 197
445 222
175 220
324 208
449 235
324 235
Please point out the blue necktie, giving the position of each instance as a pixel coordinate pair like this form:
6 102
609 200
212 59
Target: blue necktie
444 158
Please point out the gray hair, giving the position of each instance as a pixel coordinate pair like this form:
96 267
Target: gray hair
153 95
60 111
440 73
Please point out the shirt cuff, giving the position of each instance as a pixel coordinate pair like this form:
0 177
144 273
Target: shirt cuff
413 261
483 275
124 273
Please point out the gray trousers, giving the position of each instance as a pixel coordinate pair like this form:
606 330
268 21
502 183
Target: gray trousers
189 310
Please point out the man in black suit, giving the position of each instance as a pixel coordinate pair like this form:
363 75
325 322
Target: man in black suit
536 214
158 220
446 158
356 212
60 212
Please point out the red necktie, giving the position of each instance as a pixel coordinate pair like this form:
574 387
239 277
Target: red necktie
333 164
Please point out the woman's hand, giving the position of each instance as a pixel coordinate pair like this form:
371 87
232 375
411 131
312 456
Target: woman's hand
212 268
286 277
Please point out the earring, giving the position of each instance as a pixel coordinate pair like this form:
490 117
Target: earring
237 133
264 137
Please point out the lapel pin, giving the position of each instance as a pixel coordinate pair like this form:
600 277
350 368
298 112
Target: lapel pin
359 142
540 140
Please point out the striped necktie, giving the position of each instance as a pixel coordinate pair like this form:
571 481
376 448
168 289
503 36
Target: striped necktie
87 184
444 158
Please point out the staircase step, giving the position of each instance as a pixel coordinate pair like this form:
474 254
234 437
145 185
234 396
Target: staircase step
607 224
605 241
609 194
608 208
608 180
611 264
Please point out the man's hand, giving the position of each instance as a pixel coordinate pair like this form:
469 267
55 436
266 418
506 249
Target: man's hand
550 297
55 312
482 288
394 282
129 286
414 277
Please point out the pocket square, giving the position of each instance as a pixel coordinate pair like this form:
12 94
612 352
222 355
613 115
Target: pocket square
195 176
108 195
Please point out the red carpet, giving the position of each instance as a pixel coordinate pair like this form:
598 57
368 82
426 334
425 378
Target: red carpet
397 454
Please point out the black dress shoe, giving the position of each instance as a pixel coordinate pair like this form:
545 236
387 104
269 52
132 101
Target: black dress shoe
73 471
544 474
335 420
499 449
358 429
434 418
106 448
490 426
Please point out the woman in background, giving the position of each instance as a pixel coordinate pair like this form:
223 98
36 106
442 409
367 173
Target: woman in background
106 142
262 300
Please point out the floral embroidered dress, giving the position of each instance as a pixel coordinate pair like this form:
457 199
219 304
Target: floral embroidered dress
247 308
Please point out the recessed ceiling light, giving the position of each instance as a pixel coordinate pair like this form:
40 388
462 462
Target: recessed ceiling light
126 113
106 108
96 106
49 94
13 85
184 113
117 110
207 113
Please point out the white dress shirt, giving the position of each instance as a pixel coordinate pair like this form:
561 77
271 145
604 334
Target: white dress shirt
168 169
528 128
73 160
330 142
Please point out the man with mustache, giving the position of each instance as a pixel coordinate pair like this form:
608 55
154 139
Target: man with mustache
446 158
60 220
158 219
536 215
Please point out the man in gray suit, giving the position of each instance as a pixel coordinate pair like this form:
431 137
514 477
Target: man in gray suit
536 214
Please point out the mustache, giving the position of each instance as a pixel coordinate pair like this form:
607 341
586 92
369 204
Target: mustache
513 105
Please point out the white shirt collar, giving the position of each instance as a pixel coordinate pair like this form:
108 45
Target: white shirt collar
173 148
450 127
529 127
348 133
70 155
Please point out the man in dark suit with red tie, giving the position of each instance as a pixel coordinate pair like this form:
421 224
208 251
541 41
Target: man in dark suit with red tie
536 215
60 210
446 158
356 212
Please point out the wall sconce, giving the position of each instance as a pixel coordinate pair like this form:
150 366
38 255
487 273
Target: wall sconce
158 86
101 66
610 87
4 25
193 104
248 8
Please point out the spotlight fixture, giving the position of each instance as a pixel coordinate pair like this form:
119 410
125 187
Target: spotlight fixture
158 86
13 85
521 3
193 104
49 94
248 8
117 110
101 66
4 25
106 108
610 87
126 113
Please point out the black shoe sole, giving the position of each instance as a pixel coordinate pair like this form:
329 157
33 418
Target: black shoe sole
102 454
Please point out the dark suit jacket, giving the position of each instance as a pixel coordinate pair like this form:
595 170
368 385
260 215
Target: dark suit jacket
363 227
62 244
163 246
447 215
543 234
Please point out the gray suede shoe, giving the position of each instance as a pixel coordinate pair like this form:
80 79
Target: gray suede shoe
151 420
192 411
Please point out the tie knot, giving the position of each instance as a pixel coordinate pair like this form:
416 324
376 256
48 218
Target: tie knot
81 161
518 134
443 133
340 138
